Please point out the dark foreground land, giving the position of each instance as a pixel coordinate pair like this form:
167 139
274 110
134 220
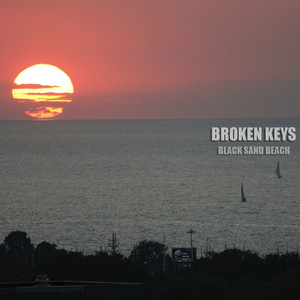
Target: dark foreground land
231 274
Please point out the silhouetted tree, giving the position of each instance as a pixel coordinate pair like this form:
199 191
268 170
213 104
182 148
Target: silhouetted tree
229 275
45 249
149 252
2 250
235 262
17 243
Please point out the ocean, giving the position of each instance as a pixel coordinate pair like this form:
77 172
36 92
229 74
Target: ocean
74 183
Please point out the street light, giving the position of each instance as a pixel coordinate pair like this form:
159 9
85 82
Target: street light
191 232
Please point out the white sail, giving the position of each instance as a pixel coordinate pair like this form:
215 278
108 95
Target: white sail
278 170
242 193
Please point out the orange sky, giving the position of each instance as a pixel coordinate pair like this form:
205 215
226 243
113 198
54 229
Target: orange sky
158 58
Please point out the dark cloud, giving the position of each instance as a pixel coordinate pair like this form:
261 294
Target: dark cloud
271 98
51 94
259 98
33 86
5 88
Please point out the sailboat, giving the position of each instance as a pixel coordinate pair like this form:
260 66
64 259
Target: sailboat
242 193
278 171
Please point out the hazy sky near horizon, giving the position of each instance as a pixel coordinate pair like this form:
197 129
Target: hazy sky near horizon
158 58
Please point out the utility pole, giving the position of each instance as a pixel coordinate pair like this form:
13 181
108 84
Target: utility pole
113 244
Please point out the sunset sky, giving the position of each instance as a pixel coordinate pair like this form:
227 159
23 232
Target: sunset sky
158 58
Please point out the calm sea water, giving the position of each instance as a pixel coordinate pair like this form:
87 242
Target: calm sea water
74 183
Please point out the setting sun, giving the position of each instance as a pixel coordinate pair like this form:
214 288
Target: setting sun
45 87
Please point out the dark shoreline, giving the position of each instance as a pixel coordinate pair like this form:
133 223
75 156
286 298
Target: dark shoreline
230 274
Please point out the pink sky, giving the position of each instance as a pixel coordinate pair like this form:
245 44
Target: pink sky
158 59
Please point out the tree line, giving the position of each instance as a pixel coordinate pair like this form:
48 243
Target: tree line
230 274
